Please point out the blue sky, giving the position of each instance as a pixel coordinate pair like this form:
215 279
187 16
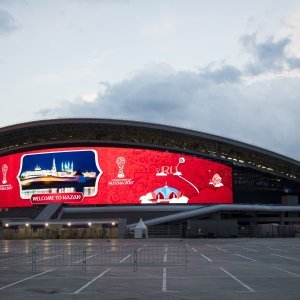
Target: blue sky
230 68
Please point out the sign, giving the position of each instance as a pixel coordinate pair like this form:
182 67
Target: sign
111 176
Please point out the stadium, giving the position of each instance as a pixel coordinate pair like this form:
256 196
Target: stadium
96 178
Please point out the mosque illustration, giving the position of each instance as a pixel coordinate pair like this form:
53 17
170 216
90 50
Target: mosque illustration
164 195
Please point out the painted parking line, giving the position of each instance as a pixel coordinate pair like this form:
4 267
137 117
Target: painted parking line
249 249
164 280
47 257
246 257
78 261
238 280
125 258
90 282
166 253
221 249
27 278
292 258
111 250
44 258
207 258
271 248
291 273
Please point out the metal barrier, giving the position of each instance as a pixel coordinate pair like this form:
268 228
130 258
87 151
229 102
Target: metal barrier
267 230
15 256
76 256
56 256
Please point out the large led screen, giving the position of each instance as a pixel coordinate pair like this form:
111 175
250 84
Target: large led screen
111 176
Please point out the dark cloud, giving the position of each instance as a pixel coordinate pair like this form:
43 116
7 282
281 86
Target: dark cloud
269 55
225 73
218 101
7 23
260 114
293 62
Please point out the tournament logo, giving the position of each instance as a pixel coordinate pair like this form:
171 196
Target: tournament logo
121 179
120 161
4 173
5 186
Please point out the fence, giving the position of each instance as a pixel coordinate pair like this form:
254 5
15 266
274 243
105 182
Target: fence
268 230
223 229
16 256
170 231
76 256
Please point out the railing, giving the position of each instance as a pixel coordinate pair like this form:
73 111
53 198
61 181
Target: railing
76 256
16 256
165 232
268 231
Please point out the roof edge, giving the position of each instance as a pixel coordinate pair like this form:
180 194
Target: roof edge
149 125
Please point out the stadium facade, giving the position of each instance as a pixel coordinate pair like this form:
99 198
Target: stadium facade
99 177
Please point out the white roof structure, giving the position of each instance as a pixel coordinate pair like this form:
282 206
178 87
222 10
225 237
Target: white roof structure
140 225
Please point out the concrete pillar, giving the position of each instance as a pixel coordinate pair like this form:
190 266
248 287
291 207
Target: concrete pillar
122 228
282 218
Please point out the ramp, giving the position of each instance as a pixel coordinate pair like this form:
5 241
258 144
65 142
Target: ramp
48 212
214 208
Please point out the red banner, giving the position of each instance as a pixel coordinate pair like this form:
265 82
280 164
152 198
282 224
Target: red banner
111 176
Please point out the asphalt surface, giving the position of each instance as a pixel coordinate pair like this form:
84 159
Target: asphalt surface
216 269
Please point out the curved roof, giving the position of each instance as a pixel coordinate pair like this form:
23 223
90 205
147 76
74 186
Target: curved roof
91 131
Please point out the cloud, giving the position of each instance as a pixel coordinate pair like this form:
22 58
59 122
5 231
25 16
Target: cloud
91 97
215 100
224 73
269 55
291 29
7 23
293 62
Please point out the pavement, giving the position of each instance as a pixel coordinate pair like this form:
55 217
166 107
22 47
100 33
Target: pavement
216 269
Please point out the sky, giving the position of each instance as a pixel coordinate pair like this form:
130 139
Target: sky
229 68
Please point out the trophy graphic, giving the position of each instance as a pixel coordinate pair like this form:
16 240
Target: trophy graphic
120 163
4 173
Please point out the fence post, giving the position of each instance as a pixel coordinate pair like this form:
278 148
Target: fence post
33 259
135 260
84 259
186 257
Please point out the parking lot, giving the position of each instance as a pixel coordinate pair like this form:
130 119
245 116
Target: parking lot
215 269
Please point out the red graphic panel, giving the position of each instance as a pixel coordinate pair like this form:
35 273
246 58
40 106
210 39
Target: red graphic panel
112 176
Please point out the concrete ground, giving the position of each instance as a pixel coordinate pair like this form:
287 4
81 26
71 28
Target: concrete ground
216 269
